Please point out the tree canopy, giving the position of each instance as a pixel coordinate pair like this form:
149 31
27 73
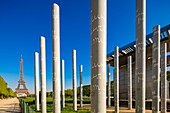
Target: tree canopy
4 90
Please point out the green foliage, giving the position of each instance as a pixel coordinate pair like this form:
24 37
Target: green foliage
70 110
11 93
69 93
28 99
31 95
168 75
3 87
86 90
4 91
67 109
49 94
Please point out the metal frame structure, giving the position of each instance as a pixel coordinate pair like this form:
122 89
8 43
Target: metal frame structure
131 47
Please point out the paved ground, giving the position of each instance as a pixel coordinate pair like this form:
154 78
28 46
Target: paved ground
9 106
122 109
12 106
125 110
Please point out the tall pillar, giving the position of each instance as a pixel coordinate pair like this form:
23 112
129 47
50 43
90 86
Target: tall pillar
62 87
43 73
36 75
140 55
108 86
116 79
56 58
163 78
74 80
156 69
81 86
167 89
130 82
98 55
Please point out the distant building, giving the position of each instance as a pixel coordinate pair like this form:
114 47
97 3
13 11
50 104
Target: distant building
129 50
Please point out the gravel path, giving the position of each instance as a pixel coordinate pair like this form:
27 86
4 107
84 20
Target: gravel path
9 105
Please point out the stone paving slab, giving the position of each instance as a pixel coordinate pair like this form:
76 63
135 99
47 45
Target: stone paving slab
9 105
122 109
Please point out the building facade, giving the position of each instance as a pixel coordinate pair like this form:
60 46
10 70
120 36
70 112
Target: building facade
129 50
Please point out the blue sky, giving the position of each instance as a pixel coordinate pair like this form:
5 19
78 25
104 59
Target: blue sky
22 22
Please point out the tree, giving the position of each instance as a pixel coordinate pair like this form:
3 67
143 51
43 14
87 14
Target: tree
86 90
4 91
10 92
48 94
69 93
3 87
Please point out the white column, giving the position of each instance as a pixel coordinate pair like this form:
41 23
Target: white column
74 80
62 87
164 78
130 82
36 75
81 86
98 55
108 86
167 89
56 58
156 69
140 55
116 79
43 73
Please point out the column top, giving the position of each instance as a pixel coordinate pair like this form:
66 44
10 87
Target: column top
73 50
36 53
42 37
81 68
55 6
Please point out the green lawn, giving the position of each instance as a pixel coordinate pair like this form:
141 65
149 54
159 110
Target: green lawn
67 109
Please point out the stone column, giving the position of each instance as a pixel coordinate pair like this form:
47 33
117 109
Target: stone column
167 89
163 78
81 86
43 73
25 108
56 58
155 69
62 87
116 79
36 75
108 86
74 80
140 55
130 82
98 55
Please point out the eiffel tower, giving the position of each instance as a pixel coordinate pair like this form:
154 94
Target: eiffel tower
21 91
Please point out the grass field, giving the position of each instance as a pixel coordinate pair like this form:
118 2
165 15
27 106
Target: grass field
67 109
